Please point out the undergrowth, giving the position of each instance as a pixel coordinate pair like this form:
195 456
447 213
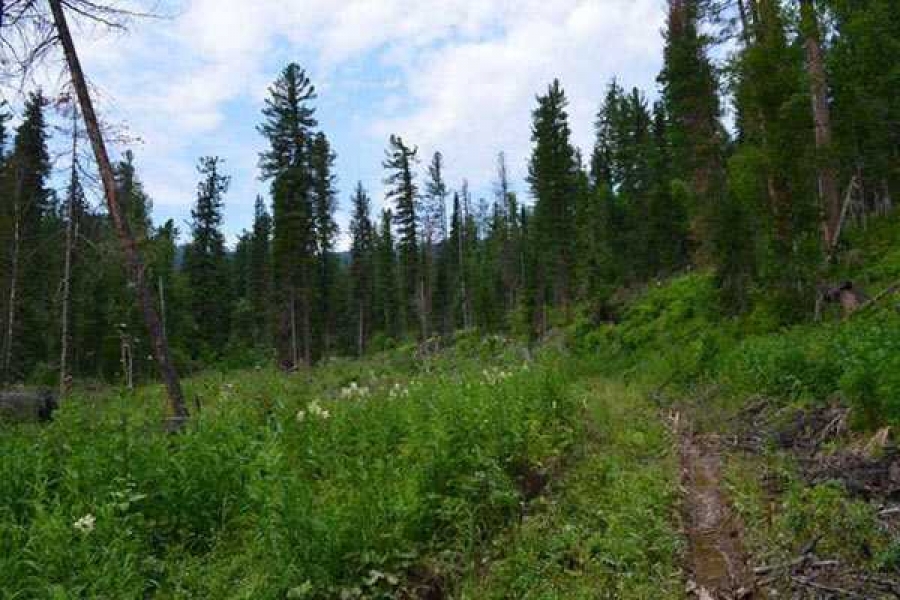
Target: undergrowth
607 530
342 482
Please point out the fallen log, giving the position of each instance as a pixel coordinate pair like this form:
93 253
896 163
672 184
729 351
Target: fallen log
27 405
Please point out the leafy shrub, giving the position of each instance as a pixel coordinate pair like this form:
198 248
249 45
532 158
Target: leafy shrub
281 485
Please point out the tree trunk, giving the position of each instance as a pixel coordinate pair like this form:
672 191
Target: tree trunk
307 329
67 265
745 23
13 282
178 412
829 195
295 352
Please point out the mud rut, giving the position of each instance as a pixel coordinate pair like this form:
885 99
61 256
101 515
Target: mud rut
716 559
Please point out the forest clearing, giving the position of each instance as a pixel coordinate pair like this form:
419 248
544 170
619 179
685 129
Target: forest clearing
634 339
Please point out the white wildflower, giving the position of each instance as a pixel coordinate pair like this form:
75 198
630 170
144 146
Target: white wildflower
354 390
86 523
315 410
301 415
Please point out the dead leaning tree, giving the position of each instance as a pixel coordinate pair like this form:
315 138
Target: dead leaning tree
28 32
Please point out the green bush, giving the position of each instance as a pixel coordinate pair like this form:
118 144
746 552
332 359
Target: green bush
281 485
859 358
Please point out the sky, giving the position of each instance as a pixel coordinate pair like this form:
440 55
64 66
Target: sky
459 76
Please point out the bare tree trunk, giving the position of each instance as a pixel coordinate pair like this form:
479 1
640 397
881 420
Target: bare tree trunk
13 283
307 330
462 265
360 335
178 412
71 233
745 22
162 306
295 352
829 195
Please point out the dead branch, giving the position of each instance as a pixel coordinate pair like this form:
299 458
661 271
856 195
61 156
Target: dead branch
890 290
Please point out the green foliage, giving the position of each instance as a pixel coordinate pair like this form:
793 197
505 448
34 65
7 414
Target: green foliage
281 484
606 532
672 332
860 359
845 527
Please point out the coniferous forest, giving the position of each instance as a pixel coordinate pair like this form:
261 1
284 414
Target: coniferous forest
524 393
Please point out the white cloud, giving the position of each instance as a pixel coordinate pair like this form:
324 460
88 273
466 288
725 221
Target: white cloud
454 75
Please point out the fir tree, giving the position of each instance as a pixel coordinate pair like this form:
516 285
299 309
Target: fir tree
27 300
362 249
399 162
289 120
326 230
386 292
551 175
205 262
690 92
260 285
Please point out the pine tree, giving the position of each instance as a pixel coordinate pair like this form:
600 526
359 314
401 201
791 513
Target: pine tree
28 295
135 203
289 120
205 261
777 150
399 162
605 142
362 249
326 230
508 235
386 303
434 237
551 175
260 286
690 93
667 219
829 196
861 62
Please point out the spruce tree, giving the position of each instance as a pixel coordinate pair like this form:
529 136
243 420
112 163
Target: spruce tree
690 92
508 235
776 155
326 230
260 285
288 125
402 190
28 296
434 237
362 267
205 261
551 175
387 295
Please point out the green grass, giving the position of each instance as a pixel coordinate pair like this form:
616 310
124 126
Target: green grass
608 529
282 486
783 515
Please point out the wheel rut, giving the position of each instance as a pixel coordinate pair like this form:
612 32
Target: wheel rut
716 560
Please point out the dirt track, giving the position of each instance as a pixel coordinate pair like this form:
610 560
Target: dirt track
716 558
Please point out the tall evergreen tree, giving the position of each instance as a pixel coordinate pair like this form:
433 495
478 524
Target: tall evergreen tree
508 235
434 237
205 261
326 230
690 93
399 163
551 175
28 294
387 310
362 267
777 149
260 288
289 120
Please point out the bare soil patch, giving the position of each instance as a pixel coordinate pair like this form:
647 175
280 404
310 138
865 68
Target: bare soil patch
716 557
